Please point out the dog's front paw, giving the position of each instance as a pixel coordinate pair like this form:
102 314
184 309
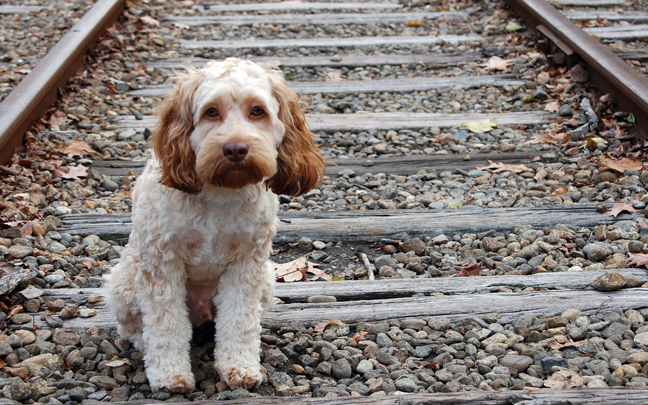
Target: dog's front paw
240 377
176 383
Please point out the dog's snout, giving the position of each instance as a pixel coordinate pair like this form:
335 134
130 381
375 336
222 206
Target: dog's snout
235 151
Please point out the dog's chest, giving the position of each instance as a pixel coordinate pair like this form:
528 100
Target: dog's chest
222 239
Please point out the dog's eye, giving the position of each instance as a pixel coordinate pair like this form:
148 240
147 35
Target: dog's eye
211 112
257 112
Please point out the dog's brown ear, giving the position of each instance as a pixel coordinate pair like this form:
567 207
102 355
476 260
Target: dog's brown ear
300 166
171 135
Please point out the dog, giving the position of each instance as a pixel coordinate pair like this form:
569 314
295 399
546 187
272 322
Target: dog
231 136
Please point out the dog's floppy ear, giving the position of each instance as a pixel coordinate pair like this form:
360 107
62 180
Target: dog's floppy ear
300 166
171 135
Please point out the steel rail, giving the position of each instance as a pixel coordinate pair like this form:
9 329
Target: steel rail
628 88
35 93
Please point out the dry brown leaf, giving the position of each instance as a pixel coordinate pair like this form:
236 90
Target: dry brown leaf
318 274
321 326
148 20
360 335
559 191
297 269
503 167
75 172
78 148
497 63
292 271
562 341
334 77
445 138
564 379
551 137
620 165
620 207
469 270
578 74
637 259
553 106
541 173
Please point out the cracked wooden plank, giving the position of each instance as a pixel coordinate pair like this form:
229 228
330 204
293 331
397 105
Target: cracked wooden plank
373 86
316 19
329 42
453 307
430 60
299 292
383 121
393 165
371 226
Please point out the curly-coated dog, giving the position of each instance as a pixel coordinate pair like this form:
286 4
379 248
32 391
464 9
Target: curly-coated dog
231 136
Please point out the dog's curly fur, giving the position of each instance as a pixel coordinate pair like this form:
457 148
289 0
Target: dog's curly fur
231 136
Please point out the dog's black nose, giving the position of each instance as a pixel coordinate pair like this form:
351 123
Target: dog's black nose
235 151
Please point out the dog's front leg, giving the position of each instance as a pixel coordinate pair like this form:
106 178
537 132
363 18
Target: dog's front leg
238 325
166 328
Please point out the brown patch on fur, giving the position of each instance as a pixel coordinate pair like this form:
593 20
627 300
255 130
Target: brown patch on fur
214 168
300 166
182 384
239 379
148 277
171 136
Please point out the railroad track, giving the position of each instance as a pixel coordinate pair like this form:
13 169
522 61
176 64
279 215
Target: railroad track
459 275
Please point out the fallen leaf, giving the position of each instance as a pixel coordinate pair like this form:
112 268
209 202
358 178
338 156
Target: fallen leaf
562 341
594 141
297 269
541 173
27 229
75 172
620 207
564 379
481 126
578 74
321 326
89 265
148 20
118 363
553 106
503 167
180 26
497 63
334 77
318 274
637 259
292 271
620 165
445 138
78 148
513 26
559 191
414 23
469 270
552 137
360 336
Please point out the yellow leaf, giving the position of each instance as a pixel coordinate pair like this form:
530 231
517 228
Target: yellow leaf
513 26
481 126
414 23
593 142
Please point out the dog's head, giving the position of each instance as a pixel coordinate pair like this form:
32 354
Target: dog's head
232 124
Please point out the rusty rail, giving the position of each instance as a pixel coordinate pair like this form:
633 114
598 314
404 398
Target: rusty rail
628 88
34 94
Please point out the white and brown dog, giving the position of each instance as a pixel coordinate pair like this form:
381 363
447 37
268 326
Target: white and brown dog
232 135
